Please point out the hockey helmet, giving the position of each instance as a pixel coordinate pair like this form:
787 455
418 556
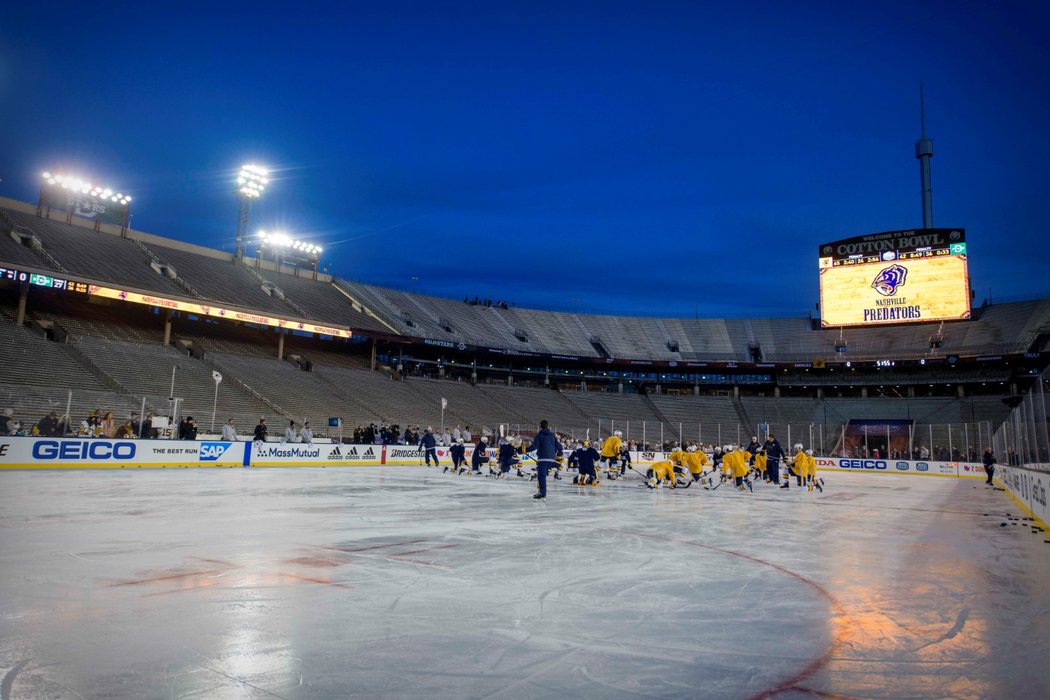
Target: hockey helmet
691 448
618 434
484 438
809 452
798 445
586 443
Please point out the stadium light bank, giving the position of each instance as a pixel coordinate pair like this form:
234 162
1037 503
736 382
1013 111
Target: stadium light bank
73 194
251 182
282 247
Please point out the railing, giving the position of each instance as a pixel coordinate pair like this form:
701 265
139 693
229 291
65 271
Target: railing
183 284
1024 438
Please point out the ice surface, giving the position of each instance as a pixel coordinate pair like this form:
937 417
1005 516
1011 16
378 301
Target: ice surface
405 582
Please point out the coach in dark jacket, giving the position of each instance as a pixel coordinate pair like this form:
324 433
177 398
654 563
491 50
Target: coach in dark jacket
429 445
989 464
546 448
774 453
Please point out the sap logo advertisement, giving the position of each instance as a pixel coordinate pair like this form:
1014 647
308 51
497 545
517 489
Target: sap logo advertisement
83 449
212 451
903 466
922 466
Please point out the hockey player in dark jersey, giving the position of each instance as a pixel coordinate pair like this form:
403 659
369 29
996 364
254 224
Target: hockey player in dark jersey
458 453
507 456
480 456
586 457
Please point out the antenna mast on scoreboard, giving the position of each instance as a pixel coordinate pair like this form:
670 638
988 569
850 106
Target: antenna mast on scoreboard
924 152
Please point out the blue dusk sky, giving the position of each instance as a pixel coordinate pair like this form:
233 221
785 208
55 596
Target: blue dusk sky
626 157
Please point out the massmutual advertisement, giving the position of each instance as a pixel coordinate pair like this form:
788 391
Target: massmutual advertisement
895 277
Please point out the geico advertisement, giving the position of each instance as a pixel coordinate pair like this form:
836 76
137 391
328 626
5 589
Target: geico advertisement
30 452
900 466
897 291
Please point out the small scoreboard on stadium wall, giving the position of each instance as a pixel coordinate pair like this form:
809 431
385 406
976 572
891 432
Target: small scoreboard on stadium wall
914 276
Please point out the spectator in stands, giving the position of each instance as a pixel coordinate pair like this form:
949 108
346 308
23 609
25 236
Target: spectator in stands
290 434
446 438
188 429
126 430
229 432
1012 458
94 422
306 435
359 435
457 433
260 432
466 434
48 425
148 431
136 425
413 438
5 421
109 425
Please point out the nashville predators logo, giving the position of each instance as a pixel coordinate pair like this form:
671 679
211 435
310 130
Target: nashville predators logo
889 280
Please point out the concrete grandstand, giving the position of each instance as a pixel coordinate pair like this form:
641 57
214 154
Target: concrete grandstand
660 379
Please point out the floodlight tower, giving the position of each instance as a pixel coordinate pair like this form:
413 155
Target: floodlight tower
283 248
924 152
251 181
73 194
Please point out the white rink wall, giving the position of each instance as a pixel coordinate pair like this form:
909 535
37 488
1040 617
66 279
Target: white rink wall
1028 485
67 453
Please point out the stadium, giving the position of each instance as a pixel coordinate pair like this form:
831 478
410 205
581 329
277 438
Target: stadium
98 315
241 462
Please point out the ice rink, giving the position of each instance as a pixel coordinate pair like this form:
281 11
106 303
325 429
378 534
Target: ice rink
406 582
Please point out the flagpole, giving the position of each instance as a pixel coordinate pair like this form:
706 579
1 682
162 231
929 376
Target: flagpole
215 402
444 403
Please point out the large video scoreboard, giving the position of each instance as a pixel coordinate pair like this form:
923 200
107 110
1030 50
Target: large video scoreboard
914 276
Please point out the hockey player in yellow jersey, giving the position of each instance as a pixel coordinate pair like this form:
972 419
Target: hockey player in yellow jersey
796 466
695 461
810 473
679 458
739 465
760 464
660 472
611 454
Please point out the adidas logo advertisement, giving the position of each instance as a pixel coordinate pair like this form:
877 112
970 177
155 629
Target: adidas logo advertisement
353 452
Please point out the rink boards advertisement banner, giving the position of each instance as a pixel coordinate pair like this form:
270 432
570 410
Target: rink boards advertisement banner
87 453
964 470
1028 486
95 453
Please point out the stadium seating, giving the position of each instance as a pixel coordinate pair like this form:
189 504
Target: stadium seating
115 355
96 255
321 300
